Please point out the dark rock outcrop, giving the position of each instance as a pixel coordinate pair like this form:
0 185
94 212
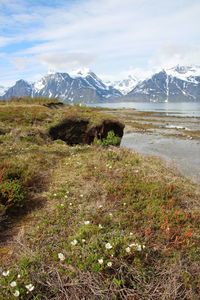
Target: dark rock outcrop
79 130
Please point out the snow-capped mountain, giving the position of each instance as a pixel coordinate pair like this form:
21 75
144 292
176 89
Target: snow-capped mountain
177 84
125 85
181 83
80 87
186 73
2 90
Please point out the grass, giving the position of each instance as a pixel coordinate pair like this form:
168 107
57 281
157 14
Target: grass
98 223
28 101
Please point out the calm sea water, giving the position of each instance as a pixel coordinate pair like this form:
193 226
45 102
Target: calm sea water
169 109
184 153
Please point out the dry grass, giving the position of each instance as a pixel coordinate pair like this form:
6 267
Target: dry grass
123 192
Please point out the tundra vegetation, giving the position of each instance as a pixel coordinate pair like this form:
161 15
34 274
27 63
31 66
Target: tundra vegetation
90 221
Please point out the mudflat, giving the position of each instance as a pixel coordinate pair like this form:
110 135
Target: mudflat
177 139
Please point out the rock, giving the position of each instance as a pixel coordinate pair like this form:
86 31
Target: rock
79 130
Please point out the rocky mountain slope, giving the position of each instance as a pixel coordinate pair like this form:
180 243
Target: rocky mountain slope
171 85
177 84
81 87
20 89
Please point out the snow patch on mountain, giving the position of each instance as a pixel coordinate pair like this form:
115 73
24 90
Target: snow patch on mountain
83 72
39 85
126 85
185 73
3 90
180 83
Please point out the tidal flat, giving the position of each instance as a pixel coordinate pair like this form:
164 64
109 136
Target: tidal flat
174 138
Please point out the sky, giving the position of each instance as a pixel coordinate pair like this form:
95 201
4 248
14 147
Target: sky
113 38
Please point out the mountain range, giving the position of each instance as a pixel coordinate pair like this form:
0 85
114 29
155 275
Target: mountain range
177 84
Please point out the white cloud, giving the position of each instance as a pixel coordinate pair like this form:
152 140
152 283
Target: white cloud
4 41
21 62
138 73
171 55
121 34
64 62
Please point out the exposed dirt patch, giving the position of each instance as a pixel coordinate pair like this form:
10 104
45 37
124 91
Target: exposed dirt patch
54 105
79 131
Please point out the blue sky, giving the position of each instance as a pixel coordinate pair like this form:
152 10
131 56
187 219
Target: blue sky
111 37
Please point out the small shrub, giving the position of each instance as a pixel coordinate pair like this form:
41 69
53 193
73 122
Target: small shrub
12 193
14 181
111 139
13 173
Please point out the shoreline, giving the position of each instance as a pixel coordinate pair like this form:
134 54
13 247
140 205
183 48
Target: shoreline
175 139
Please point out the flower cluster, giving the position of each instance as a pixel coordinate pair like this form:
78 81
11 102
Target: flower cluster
137 247
14 284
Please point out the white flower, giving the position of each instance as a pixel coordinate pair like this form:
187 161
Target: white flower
6 273
100 261
83 240
110 214
133 245
18 276
109 264
128 249
70 204
131 233
87 222
16 293
55 194
137 246
61 204
13 284
100 206
74 242
61 256
81 195
100 226
66 196
30 287
124 203
108 246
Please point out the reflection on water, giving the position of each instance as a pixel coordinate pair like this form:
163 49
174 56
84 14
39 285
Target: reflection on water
185 109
